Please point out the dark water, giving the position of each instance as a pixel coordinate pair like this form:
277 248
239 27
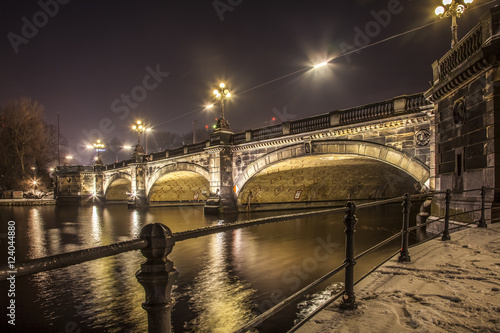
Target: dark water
224 279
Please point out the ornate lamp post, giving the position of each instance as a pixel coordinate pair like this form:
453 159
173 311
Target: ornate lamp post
139 128
98 146
221 95
453 8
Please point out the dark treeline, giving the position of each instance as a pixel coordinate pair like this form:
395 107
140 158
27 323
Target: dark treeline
28 146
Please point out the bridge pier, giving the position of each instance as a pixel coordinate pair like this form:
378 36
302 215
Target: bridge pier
221 199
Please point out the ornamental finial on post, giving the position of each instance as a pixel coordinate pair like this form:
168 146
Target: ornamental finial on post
157 275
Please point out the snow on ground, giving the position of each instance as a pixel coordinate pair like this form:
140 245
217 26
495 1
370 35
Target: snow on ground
451 286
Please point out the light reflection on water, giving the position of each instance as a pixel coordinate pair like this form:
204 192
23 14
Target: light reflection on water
220 299
224 279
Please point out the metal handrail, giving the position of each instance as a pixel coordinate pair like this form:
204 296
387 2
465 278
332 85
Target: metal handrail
157 241
336 296
38 265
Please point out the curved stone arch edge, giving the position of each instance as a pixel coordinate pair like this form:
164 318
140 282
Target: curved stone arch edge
114 177
175 167
298 150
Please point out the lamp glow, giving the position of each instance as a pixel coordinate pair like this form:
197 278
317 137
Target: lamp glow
439 10
320 65
447 2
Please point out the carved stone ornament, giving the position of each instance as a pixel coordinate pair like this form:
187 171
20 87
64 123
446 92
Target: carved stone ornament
422 137
459 112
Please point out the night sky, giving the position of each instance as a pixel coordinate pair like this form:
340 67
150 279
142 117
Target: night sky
168 56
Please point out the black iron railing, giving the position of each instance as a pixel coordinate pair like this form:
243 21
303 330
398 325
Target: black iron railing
157 274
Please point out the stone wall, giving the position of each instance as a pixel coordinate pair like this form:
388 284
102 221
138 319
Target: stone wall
464 92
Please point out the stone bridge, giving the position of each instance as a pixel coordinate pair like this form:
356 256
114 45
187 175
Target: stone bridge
369 152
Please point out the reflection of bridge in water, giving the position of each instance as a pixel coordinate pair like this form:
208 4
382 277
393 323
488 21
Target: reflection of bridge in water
375 151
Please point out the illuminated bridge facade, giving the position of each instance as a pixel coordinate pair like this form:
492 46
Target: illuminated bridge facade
370 152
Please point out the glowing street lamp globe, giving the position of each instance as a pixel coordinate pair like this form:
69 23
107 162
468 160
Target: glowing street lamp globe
453 9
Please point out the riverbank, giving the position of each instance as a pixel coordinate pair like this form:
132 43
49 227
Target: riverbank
26 202
451 286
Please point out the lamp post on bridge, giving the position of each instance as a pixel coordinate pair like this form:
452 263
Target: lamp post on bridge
453 8
98 146
221 95
139 127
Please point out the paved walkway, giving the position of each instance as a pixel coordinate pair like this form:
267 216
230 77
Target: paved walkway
451 286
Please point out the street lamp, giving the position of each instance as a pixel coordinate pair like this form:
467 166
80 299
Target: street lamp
453 8
221 95
34 186
139 128
321 64
98 146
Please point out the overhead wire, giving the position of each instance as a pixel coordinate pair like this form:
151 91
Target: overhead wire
334 58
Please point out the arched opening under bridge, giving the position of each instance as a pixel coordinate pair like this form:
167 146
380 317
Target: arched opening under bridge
325 180
118 189
178 188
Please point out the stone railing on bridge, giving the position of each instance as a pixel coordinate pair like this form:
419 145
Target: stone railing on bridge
399 105
267 132
74 168
393 107
472 54
462 51
310 124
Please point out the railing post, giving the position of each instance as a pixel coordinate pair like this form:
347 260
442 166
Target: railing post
482 221
404 255
348 299
157 274
446 232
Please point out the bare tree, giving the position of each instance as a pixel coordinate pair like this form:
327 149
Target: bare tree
26 142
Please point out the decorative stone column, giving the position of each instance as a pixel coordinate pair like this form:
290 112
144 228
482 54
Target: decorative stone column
221 199
139 197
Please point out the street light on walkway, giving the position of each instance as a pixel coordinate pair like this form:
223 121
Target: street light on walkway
453 8
221 94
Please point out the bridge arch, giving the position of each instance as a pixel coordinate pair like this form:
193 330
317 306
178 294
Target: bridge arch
335 149
117 186
199 175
